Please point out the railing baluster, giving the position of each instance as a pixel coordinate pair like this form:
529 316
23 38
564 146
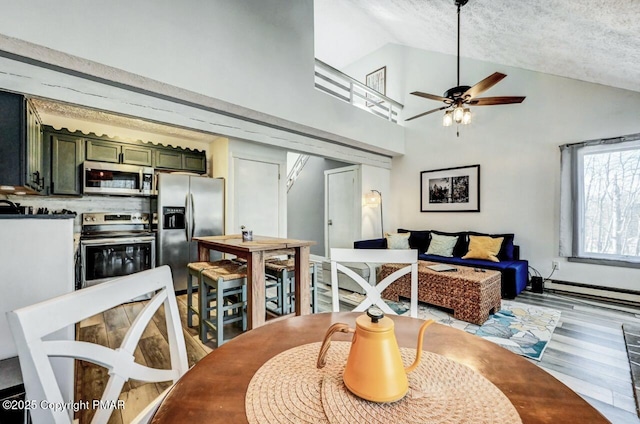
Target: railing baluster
378 103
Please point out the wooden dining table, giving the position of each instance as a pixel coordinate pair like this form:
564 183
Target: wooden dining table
255 252
214 390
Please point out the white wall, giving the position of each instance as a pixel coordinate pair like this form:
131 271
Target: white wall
517 148
255 54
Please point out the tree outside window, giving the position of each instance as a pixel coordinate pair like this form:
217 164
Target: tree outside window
600 201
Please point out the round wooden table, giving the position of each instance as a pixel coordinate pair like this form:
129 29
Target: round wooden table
214 389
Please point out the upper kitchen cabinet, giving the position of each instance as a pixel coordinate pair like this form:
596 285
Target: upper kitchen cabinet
111 151
67 154
21 151
178 159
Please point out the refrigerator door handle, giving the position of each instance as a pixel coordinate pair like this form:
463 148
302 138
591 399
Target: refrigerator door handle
187 219
193 216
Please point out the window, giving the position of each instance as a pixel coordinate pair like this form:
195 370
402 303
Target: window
600 201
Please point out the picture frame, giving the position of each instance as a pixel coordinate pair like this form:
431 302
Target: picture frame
450 189
376 80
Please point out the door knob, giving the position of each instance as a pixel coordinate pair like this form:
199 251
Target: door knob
329 222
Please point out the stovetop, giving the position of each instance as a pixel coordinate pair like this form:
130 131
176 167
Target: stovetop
115 224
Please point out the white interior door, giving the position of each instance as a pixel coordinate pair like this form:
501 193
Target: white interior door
342 212
257 194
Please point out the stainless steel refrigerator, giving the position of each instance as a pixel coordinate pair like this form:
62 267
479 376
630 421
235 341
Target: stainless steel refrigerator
188 206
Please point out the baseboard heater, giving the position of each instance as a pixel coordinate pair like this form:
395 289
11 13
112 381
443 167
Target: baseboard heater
624 296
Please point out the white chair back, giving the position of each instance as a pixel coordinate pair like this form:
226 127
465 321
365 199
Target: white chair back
32 324
373 293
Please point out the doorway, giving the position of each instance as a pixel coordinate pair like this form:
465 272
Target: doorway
257 196
342 207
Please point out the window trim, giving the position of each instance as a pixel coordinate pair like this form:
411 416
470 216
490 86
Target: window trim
572 199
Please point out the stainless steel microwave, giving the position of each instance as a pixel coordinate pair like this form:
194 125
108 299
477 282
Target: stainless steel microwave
113 178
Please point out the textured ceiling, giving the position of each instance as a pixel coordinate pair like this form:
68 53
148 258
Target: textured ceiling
591 40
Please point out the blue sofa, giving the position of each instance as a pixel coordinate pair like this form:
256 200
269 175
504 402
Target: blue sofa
514 271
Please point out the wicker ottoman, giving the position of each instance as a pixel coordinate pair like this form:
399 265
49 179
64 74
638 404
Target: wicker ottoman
471 294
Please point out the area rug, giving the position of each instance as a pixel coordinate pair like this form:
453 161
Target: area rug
521 328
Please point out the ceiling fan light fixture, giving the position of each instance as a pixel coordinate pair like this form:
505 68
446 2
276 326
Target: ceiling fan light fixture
466 116
447 119
458 114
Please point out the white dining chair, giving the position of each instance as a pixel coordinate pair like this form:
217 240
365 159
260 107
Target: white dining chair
33 325
373 292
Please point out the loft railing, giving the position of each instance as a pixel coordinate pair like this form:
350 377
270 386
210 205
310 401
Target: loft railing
295 170
333 82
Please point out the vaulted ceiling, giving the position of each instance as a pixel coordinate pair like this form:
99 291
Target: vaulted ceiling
591 40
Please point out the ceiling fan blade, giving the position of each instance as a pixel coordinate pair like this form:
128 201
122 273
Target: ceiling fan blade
430 96
426 113
500 100
483 85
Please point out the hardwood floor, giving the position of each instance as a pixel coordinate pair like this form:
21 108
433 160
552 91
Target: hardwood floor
587 353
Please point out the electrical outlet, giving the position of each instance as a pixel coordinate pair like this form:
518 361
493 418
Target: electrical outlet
555 265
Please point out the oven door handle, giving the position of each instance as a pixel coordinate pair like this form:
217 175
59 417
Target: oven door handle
121 240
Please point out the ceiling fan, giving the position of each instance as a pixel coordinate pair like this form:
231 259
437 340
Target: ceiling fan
456 98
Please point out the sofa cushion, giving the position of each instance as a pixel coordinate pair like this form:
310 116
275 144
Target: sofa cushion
472 263
484 247
462 244
397 240
442 245
506 250
418 239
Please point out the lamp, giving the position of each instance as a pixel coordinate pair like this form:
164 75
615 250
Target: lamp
374 198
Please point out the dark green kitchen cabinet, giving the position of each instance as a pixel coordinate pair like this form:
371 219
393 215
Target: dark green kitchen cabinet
67 155
196 162
111 151
167 159
21 150
103 151
179 160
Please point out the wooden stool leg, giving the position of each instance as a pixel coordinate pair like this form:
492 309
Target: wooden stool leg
189 299
219 314
243 308
314 290
203 296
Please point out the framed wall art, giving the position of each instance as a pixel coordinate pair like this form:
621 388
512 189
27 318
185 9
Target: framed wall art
377 80
450 189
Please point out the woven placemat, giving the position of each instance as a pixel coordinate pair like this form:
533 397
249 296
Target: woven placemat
290 389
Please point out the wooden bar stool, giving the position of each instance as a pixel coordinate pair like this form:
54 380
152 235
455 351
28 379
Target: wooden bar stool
193 283
274 291
225 283
283 272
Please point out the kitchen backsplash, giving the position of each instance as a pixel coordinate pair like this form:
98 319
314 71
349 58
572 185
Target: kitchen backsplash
83 204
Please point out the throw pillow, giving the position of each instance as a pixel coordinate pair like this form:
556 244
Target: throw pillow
442 245
397 241
482 247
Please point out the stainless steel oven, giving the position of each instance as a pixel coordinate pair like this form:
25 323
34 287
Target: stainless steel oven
115 244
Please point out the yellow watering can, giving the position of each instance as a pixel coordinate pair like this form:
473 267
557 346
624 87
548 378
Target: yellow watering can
374 369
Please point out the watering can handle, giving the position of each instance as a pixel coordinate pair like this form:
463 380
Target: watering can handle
326 343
